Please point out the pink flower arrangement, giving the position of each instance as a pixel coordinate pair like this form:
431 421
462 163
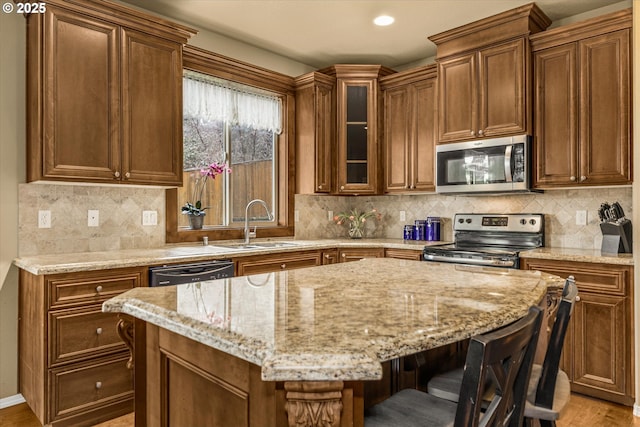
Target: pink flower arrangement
211 171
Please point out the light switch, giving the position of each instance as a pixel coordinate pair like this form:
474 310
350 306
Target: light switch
149 217
403 215
581 217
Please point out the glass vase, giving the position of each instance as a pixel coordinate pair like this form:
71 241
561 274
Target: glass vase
356 230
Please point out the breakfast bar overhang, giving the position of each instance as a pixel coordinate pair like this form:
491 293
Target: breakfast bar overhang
293 348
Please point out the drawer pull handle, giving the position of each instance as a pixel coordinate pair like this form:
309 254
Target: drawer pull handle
98 385
283 266
99 288
99 331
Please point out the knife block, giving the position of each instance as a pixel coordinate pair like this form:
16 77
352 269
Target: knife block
616 237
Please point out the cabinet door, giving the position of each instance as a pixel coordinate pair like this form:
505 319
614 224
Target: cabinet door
424 136
324 138
605 91
357 137
601 348
556 119
329 256
457 99
397 136
410 254
79 139
152 109
502 109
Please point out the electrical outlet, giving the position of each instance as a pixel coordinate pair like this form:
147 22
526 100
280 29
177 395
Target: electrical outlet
44 219
296 216
403 216
581 217
93 218
330 215
149 217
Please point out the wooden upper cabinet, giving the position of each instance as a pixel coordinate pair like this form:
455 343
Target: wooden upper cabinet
151 109
409 130
358 127
582 80
483 76
104 95
315 133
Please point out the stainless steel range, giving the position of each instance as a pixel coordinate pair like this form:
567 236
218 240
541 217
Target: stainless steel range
490 239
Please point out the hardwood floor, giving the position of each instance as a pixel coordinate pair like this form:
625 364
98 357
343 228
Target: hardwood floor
581 412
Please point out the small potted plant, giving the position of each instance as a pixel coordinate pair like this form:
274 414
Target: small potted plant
195 210
356 221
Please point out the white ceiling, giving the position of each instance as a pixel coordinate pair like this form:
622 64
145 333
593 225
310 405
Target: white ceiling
324 32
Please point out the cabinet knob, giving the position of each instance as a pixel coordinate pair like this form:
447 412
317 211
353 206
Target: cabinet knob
99 288
472 133
127 175
480 132
573 178
116 174
583 178
283 266
319 187
98 385
99 331
341 187
327 256
577 297
344 255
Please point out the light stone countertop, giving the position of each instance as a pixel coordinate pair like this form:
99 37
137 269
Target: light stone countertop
192 252
578 255
340 321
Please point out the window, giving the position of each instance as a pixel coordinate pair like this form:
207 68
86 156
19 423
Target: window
239 117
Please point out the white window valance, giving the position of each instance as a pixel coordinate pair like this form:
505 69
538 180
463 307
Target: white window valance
211 99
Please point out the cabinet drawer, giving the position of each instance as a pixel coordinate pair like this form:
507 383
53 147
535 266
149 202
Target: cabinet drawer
278 263
81 333
88 386
590 277
77 289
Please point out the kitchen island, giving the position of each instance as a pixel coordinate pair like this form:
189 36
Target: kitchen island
294 347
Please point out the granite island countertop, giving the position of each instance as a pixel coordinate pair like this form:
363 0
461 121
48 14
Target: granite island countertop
340 321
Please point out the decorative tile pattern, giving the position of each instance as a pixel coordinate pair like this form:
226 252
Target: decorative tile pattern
559 207
120 218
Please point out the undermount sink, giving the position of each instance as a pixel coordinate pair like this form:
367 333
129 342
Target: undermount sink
261 245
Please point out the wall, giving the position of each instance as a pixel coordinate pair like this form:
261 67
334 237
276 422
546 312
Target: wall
12 172
559 207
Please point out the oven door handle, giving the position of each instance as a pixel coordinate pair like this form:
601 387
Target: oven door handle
507 163
486 262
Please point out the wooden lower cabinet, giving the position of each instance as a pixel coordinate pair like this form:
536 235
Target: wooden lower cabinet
72 363
598 350
277 262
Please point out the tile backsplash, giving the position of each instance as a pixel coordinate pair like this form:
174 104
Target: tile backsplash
559 207
120 218
120 215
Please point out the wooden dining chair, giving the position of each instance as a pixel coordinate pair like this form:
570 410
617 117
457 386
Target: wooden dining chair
505 355
549 389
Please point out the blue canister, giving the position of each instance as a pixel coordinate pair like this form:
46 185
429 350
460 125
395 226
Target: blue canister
421 230
433 228
409 232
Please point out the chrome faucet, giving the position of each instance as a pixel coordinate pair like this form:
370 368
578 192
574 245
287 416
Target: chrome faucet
247 233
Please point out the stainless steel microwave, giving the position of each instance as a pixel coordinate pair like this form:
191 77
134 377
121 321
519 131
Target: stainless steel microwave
495 165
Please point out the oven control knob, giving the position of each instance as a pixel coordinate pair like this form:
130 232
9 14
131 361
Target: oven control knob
468 220
460 220
523 221
532 221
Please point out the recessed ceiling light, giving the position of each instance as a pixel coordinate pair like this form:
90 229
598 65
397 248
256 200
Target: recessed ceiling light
383 20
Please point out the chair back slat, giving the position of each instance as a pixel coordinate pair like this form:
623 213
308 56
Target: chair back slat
551 365
506 355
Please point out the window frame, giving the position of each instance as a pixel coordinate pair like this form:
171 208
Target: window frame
203 61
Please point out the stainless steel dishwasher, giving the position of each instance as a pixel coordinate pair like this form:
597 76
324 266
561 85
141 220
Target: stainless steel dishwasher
177 274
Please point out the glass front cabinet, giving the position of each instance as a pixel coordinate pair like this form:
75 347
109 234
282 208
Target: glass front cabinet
357 131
